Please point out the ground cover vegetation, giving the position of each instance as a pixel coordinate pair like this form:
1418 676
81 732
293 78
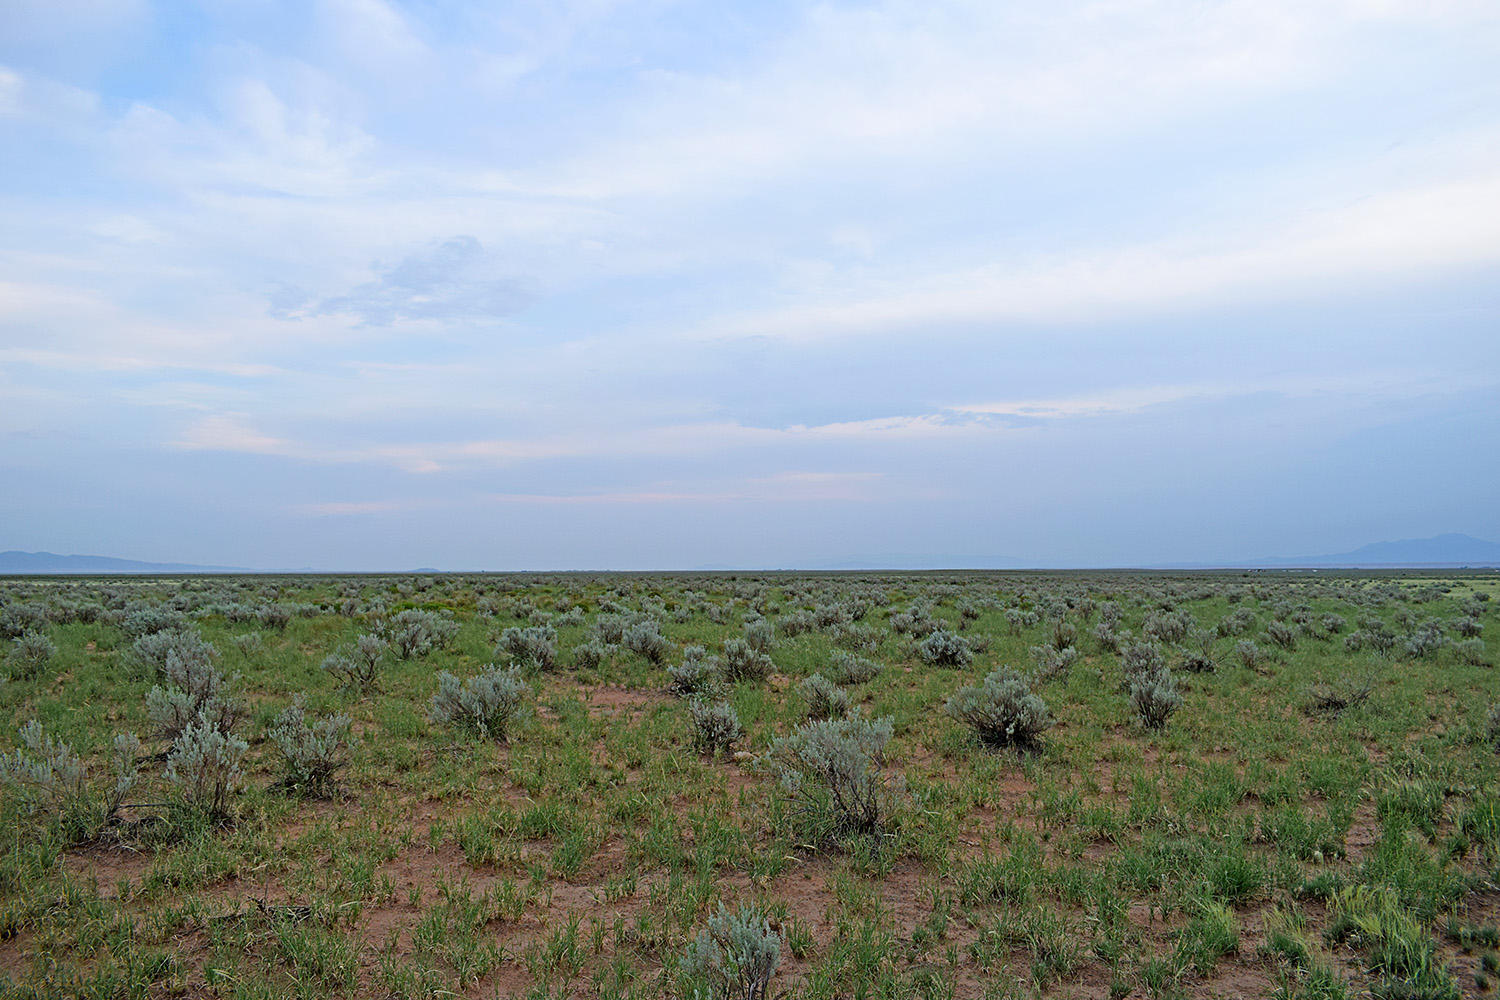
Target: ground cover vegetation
746 786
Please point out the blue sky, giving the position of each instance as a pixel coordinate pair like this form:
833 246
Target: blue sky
356 284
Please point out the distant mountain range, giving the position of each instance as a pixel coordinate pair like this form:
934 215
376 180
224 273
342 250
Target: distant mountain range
48 563
1440 551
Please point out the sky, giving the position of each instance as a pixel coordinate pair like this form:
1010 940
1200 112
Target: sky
353 284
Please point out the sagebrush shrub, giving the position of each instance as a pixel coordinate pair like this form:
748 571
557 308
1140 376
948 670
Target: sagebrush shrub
148 618
1140 658
1064 634
311 754
1108 635
30 652
795 623
46 776
204 765
274 616
644 638
1167 626
942 648
358 666
1425 640
184 644
847 668
715 725
590 655
1049 662
825 699
195 692
1237 622
833 770
369 651
742 662
1002 709
248 643
18 619
609 629
534 647
1471 651
487 704
1154 695
414 632
697 674
1281 634
760 634
1251 655
734 957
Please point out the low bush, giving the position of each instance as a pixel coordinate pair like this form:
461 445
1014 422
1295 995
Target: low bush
30 652
1002 710
645 639
825 699
1167 626
1198 654
413 633
358 667
743 662
533 648
46 776
1471 651
847 668
312 754
1425 640
733 958
716 726
1049 662
1250 655
487 704
833 771
698 674
196 692
204 765
1155 697
1281 634
590 655
942 648
185 645
760 634
1140 658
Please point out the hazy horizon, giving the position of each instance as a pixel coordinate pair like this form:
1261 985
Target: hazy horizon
624 285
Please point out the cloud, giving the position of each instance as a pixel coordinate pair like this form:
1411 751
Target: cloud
229 432
1401 236
255 140
451 280
338 508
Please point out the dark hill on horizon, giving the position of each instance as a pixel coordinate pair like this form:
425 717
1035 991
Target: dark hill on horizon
1439 551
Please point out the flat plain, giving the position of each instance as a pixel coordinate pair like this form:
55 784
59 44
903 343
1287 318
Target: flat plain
1172 785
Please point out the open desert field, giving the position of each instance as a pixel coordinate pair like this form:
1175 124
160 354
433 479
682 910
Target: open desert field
752 785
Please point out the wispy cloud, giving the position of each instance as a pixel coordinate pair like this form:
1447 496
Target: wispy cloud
453 280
